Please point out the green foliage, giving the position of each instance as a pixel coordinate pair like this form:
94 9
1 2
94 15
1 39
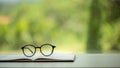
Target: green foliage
57 22
63 23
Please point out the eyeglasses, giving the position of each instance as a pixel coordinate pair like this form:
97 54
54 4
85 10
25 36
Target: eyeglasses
29 50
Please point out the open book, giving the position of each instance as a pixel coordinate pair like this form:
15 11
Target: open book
38 58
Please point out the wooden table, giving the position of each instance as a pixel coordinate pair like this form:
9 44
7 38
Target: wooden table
82 60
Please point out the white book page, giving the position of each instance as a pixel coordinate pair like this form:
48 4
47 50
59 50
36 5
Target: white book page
56 56
14 57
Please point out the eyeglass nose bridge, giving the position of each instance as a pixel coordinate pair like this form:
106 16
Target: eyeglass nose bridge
37 47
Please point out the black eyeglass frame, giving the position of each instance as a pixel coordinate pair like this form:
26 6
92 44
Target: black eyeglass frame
36 48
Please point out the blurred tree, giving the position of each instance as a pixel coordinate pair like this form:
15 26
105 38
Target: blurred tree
93 44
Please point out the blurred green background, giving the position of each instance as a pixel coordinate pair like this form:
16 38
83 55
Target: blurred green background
74 26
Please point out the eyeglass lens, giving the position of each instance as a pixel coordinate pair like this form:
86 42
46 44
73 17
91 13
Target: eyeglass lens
29 50
46 50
